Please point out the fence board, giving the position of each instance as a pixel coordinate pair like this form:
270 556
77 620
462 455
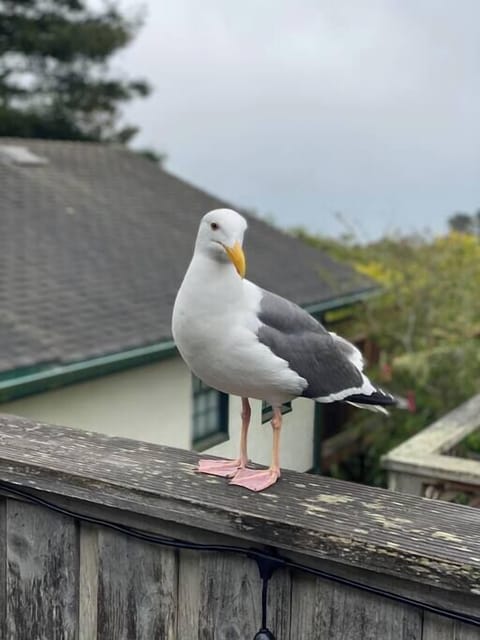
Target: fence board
440 628
221 598
3 567
137 589
42 574
327 610
88 584
280 604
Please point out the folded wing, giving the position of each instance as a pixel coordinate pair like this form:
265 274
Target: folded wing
331 365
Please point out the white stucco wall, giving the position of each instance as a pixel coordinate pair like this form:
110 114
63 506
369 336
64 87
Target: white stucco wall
296 439
150 403
153 403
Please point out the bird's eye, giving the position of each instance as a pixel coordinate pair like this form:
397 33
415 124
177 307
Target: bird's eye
214 226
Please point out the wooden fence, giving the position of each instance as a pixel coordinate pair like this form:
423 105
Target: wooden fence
63 577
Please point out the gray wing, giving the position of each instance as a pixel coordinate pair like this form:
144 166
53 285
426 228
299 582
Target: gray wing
326 361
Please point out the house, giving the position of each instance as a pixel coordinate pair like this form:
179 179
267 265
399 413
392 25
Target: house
94 242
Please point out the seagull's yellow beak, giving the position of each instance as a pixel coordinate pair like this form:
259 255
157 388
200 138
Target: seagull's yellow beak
237 256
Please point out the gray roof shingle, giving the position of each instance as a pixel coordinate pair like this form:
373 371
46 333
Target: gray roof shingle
94 244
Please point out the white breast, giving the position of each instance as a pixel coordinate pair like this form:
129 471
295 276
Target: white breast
214 325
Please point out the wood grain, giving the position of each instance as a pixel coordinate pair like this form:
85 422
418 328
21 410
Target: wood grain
3 567
42 574
326 610
137 589
88 582
439 628
220 596
405 536
61 579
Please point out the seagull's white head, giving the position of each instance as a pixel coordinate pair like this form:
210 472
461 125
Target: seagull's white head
220 235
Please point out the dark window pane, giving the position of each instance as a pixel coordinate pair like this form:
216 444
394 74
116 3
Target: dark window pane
210 411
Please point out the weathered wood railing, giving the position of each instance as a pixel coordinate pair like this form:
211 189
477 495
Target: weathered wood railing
424 466
63 578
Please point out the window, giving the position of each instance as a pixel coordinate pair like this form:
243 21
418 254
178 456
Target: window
209 416
267 410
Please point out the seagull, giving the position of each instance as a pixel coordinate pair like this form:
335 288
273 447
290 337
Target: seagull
246 341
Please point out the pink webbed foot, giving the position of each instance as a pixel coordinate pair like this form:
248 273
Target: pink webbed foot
254 479
223 468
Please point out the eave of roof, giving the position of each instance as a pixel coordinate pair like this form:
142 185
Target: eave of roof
342 301
52 377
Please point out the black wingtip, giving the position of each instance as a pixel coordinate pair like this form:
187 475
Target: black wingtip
379 397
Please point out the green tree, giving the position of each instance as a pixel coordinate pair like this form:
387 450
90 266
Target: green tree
427 325
153 155
476 221
462 222
430 292
430 288
54 77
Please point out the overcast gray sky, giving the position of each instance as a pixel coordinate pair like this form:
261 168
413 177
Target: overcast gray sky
304 108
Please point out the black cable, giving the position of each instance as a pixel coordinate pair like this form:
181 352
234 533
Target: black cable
264 603
269 560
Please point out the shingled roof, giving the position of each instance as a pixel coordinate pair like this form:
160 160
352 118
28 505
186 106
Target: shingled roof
94 242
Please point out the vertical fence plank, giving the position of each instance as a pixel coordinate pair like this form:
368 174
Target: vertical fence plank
137 589
3 567
223 595
88 584
440 628
189 572
220 598
322 609
279 604
437 628
42 574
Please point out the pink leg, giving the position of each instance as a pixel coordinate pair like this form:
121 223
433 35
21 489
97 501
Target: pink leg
228 468
258 480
